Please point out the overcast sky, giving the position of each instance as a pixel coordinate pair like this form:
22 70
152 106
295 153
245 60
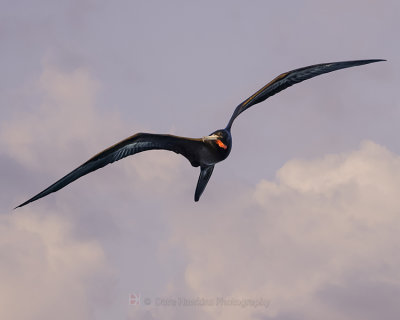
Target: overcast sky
302 221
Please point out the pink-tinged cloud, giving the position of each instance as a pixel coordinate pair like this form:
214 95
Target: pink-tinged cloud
46 272
322 228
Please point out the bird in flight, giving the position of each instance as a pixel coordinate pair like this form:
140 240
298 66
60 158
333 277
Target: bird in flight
201 152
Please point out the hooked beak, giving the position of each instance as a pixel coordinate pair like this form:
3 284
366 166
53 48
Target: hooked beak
213 137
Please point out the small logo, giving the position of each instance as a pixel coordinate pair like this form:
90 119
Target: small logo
134 299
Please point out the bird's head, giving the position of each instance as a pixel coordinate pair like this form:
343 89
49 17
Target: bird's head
221 139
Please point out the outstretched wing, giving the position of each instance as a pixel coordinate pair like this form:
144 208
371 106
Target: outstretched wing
137 143
205 175
290 78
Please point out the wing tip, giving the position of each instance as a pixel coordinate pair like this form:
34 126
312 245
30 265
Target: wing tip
375 60
22 204
353 63
37 197
367 61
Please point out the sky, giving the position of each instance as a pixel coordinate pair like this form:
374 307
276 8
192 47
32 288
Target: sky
302 221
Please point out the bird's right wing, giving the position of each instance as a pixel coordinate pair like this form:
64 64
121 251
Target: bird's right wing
290 78
137 143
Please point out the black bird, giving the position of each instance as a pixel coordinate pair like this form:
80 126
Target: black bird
203 152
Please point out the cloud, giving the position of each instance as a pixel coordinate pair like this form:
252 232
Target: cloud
323 230
296 241
62 253
49 269
47 272
67 128
65 116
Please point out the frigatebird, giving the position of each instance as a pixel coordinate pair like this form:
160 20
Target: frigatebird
201 152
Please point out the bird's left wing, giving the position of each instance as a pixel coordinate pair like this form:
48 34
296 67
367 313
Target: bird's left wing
290 78
137 143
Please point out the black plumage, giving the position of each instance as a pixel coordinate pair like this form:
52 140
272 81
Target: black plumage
202 152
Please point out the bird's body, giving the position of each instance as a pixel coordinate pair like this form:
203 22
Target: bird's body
216 150
202 152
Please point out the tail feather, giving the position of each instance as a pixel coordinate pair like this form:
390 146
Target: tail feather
205 175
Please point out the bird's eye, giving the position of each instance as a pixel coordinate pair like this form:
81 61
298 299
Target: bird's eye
221 144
